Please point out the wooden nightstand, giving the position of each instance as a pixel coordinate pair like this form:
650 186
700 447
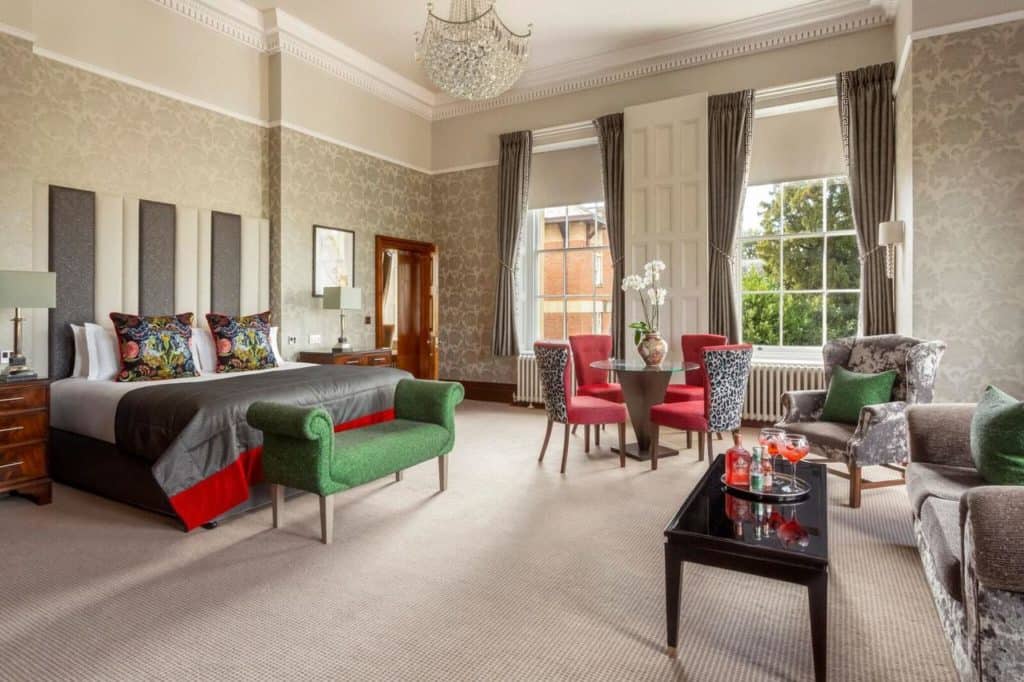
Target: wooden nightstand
379 357
24 431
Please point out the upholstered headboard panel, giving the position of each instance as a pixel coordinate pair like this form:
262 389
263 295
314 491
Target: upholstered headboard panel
114 253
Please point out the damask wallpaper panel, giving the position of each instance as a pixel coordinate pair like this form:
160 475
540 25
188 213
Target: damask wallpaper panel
465 210
968 178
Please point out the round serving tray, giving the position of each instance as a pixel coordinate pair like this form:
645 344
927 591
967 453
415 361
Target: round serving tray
799 489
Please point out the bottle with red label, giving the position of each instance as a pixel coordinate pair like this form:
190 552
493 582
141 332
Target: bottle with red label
737 463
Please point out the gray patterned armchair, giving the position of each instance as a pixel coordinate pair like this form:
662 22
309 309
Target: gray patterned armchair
880 435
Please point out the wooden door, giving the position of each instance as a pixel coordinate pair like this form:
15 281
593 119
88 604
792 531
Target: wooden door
666 188
416 316
409 321
430 356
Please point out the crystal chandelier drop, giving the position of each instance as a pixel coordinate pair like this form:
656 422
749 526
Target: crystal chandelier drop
472 54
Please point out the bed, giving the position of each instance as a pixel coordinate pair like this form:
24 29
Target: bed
182 447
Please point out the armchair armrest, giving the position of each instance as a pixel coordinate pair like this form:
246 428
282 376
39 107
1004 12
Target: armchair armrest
941 433
881 434
802 406
990 521
432 402
297 444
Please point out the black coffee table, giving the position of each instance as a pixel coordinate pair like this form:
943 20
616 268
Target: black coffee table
784 542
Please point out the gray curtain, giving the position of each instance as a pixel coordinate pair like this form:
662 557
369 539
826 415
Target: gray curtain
513 190
613 170
867 119
730 124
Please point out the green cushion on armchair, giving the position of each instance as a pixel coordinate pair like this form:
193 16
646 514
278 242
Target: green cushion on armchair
997 438
848 392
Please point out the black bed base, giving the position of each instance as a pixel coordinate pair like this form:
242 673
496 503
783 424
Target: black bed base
100 468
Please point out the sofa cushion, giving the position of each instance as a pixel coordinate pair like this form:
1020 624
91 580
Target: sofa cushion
830 434
997 438
940 525
848 392
368 453
938 480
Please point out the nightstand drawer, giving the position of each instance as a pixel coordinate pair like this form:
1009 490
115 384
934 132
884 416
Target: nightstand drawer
378 359
23 427
28 461
13 398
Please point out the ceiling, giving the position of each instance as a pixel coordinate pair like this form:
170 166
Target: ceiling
564 31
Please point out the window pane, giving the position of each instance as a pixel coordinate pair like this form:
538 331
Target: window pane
580 228
603 271
604 316
760 265
598 236
839 215
761 319
760 211
842 315
551 271
552 318
583 315
843 263
801 320
580 279
802 206
802 263
554 235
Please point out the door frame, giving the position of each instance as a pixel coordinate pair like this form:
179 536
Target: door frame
383 243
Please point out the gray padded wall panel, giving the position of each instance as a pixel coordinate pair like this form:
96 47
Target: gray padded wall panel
225 264
156 258
73 258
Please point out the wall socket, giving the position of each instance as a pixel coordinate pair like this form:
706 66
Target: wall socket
315 339
292 340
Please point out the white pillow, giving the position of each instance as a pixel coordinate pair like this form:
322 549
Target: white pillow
204 350
104 352
81 367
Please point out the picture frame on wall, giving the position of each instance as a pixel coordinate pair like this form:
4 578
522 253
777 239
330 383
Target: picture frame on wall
334 262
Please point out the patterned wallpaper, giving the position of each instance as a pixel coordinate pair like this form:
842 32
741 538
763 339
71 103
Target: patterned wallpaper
465 209
325 184
968 175
15 162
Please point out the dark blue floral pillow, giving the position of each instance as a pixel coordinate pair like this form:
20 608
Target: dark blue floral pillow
243 343
151 348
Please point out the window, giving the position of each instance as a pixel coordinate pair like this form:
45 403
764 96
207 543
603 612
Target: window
566 274
799 267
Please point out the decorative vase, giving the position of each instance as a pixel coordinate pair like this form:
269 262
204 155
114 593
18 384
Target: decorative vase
652 349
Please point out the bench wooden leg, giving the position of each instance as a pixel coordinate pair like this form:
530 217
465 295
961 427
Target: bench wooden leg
326 519
398 475
277 503
442 472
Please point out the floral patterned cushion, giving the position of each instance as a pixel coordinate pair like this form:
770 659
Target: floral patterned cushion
151 348
243 343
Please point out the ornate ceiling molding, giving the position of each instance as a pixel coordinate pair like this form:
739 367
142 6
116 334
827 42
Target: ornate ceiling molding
274 31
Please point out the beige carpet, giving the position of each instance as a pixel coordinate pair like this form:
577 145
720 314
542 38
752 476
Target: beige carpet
515 573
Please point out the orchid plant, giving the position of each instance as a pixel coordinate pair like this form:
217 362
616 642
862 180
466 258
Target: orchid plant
652 297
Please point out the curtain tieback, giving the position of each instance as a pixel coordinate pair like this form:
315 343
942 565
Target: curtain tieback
873 252
507 266
727 256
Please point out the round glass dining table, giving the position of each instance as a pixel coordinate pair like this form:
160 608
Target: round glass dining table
643 387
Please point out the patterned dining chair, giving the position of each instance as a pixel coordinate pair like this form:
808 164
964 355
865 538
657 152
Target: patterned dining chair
565 408
727 369
588 348
693 389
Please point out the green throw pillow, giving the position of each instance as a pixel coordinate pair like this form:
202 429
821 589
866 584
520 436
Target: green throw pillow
997 438
850 391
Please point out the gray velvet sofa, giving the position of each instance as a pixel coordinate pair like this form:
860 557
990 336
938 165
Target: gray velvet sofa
971 539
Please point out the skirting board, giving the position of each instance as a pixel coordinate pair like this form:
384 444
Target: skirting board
488 391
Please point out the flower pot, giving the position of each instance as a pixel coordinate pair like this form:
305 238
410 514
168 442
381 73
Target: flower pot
652 349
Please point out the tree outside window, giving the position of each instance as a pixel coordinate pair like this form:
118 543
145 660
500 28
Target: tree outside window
799 267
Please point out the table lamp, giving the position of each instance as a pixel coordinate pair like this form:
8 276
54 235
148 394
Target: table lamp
24 289
343 298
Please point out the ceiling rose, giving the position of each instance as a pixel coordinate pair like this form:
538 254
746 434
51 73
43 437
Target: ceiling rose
472 54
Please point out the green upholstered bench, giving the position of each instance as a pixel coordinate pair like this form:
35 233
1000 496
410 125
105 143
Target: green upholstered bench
301 450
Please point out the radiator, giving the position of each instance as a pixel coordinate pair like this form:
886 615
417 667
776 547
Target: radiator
769 381
528 386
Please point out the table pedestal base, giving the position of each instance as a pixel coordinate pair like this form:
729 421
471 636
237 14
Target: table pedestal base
634 451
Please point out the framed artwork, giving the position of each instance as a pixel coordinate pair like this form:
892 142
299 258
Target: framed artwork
334 262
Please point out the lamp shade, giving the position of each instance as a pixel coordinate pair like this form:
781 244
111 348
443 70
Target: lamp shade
890 233
27 289
343 298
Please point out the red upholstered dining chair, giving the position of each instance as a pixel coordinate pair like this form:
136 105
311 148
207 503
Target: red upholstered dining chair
693 388
565 408
588 348
727 369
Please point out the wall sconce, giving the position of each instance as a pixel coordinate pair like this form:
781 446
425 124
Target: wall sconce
889 235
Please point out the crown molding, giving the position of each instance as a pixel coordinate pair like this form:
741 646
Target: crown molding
232 18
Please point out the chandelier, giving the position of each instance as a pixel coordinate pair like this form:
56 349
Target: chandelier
472 54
